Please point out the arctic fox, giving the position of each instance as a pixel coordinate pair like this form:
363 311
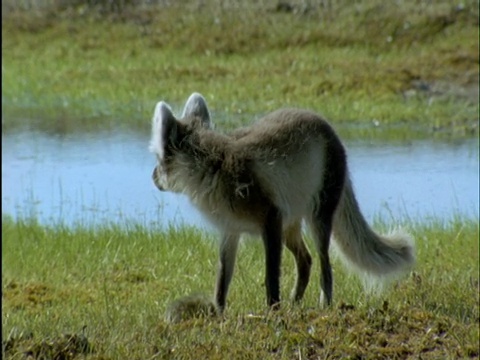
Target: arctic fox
266 179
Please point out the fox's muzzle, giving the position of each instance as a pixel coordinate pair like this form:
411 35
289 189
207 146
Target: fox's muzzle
156 179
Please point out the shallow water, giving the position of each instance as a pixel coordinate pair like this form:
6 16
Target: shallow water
103 177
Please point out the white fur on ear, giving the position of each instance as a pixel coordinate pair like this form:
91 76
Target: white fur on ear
163 126
197 106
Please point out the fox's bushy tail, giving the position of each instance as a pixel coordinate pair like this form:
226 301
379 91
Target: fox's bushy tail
374 256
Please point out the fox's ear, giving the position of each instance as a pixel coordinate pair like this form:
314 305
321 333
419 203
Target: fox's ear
164 128
197 106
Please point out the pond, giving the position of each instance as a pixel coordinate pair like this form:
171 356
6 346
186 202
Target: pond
93 178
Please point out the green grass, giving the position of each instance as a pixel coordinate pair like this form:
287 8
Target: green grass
380 71
109 287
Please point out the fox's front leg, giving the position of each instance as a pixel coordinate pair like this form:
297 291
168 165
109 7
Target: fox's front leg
272 240
228 252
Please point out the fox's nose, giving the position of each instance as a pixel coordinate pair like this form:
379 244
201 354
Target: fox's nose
155 179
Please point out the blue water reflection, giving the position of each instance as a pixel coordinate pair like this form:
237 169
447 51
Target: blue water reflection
97 177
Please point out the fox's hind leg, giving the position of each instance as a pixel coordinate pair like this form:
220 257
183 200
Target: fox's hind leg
294 242
228 252
272 240
321 225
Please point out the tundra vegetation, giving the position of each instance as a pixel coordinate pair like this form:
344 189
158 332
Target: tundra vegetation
399 70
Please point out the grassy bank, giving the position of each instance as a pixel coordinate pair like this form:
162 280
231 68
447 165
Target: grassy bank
102 293
381 69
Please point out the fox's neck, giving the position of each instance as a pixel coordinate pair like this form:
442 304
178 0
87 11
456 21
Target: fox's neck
196 171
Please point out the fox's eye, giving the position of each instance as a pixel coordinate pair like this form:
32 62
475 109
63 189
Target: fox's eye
160 168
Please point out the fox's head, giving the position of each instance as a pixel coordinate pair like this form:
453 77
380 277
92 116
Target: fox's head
168 133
